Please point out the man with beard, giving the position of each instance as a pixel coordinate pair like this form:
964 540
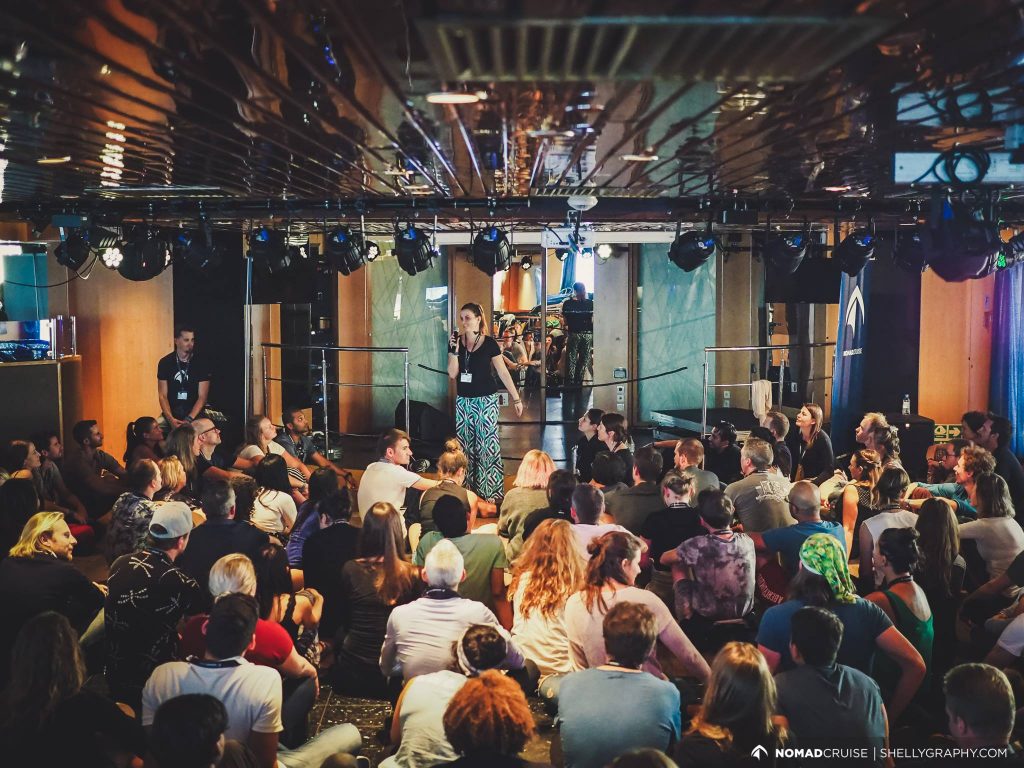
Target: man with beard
296 440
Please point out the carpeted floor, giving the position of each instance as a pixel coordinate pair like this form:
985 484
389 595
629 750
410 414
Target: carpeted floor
368 716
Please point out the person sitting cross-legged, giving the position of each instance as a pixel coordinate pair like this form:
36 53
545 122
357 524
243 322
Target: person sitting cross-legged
713 574
645 709
483 554
827 703
417 727
251 694
419 634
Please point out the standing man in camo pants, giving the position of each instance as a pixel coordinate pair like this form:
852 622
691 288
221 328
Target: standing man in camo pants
578 313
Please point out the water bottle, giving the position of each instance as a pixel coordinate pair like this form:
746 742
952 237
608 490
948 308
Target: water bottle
906 405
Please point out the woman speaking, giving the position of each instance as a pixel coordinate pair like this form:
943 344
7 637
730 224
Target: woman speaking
471 357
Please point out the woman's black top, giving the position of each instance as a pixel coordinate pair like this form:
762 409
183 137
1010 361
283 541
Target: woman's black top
586 450
818 461
627 459
478 365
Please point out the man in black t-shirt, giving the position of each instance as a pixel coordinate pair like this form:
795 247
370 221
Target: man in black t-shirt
183 381
578 313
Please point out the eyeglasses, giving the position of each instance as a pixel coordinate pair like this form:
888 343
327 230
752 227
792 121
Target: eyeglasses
211 429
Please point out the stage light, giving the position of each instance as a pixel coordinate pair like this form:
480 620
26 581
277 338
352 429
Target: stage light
413 249
346 250
970 252
73 251
196 248
562 254
691 250
491 251
526 263
786 250
911 251
855 250
604 251
146 253
371 251
112 257
268 248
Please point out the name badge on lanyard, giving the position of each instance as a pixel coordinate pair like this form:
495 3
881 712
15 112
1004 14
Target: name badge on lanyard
183 395
466 377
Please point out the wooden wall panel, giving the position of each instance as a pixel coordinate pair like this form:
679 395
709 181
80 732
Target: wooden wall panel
124 328
956 347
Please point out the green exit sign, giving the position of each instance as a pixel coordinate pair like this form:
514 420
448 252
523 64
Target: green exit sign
946 432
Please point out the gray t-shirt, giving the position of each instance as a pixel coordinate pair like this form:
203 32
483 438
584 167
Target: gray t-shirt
831 706
642 710
761 501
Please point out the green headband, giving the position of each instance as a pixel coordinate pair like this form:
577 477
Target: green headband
824 555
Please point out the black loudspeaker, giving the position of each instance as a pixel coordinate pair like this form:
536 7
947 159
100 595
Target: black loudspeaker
427 423
916 434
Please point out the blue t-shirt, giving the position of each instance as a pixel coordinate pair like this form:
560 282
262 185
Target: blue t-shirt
953 492
788 540
863 622
298 537
604 713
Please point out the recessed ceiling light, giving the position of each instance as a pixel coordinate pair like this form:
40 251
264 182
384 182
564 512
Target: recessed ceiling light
645 157
453 97
54 160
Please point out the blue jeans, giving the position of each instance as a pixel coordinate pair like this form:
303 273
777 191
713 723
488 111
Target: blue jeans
337 738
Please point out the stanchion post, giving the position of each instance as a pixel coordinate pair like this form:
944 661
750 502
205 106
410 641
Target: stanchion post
704 400
323 391
408 426
266 383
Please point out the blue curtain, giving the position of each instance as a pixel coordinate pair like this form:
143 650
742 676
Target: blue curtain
1007 389
568 271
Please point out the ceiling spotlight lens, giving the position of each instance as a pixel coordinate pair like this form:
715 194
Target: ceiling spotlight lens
111 257
604 251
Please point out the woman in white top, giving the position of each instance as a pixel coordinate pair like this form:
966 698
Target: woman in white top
259 443
999 537
890 490
613 568
417 726
547 573
274 509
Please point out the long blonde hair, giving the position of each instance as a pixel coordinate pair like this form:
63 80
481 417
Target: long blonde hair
554 566
181 443
740 700
39 525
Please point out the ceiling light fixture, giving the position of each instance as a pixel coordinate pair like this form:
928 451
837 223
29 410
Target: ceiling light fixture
145 254
491 251
838 189
196 248
54 160
785 251
642 157
856 250
526 263
112 257
346 250
604 251
268 249
73 251
453 97
413 249
691 249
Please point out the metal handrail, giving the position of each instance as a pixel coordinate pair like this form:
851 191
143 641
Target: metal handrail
750 348
323 375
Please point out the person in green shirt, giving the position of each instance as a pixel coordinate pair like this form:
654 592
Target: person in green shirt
483 553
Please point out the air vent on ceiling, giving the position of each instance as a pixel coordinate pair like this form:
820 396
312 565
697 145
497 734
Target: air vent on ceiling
694 48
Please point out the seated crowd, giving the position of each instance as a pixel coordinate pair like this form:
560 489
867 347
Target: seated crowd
677 603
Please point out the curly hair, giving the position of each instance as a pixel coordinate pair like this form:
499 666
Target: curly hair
554 566
489 714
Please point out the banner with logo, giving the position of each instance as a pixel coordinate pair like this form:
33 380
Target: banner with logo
848 375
